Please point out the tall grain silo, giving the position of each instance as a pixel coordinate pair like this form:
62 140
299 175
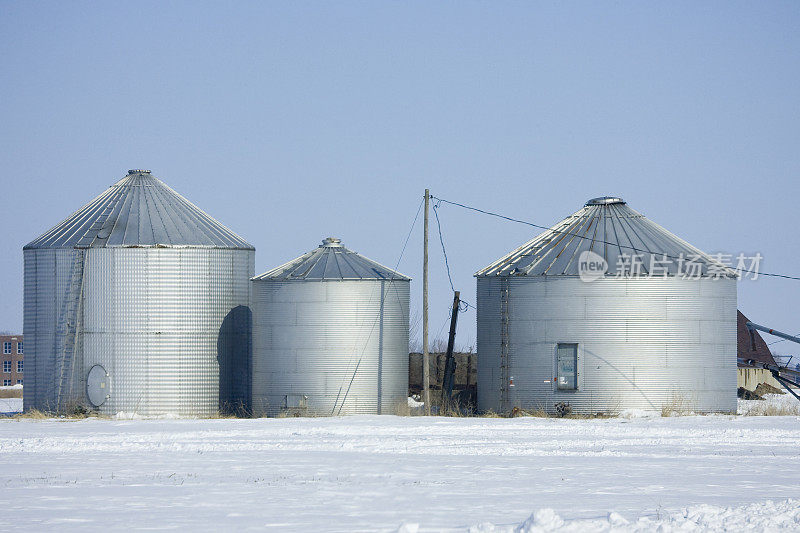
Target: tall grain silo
607 311
137 302
330 335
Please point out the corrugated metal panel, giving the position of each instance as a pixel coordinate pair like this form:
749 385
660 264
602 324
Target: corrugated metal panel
338 347
489 318
611 229
139 210
46 281
643 343
331 261
161 321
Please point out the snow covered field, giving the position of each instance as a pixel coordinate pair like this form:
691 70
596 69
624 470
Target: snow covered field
380 473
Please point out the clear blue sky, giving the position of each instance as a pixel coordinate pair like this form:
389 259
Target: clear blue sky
293 121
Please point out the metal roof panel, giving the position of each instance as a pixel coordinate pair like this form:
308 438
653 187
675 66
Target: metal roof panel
331 261
139 210
610 228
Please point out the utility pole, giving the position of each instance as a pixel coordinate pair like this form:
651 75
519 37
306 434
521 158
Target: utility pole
426 371
450 361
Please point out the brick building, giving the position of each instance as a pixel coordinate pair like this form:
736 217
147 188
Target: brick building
11 356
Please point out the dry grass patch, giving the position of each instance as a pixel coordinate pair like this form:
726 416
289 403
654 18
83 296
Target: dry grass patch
680 405
535 413
541 412
457 410
402 409
73 413
303 413
220 415
32 414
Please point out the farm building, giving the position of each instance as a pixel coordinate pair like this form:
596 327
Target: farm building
137 302
606 311
749 377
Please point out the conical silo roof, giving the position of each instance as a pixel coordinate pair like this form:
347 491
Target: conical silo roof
139 210
614 231
331 261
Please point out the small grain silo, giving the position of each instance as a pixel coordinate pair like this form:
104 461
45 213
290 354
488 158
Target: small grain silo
607 311
330 335
137 302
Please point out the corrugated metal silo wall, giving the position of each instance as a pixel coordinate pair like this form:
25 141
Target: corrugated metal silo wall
46 281
161 321
643 343
342 344
488 316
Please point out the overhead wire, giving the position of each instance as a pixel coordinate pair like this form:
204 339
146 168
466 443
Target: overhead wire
463 304
410 231
441 240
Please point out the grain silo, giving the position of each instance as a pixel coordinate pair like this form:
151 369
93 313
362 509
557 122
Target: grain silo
607 311
330 335
137 302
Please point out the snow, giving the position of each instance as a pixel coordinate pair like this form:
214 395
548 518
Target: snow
403 473
637 413
10 405
782 403
414 403
124 415
767 516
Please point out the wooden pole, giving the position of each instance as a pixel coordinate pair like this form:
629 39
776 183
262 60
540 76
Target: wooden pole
448 381
426 371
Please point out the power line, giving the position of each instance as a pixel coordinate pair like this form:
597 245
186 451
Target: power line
441 240
410 231
374 323
466 304
511 219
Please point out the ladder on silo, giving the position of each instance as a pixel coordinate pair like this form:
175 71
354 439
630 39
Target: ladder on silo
69 328
505 378
70 318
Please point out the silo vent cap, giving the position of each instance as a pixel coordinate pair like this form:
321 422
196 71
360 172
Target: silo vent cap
138 171
331 242
606 200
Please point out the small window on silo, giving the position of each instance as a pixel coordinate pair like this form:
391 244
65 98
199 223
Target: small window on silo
567 366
